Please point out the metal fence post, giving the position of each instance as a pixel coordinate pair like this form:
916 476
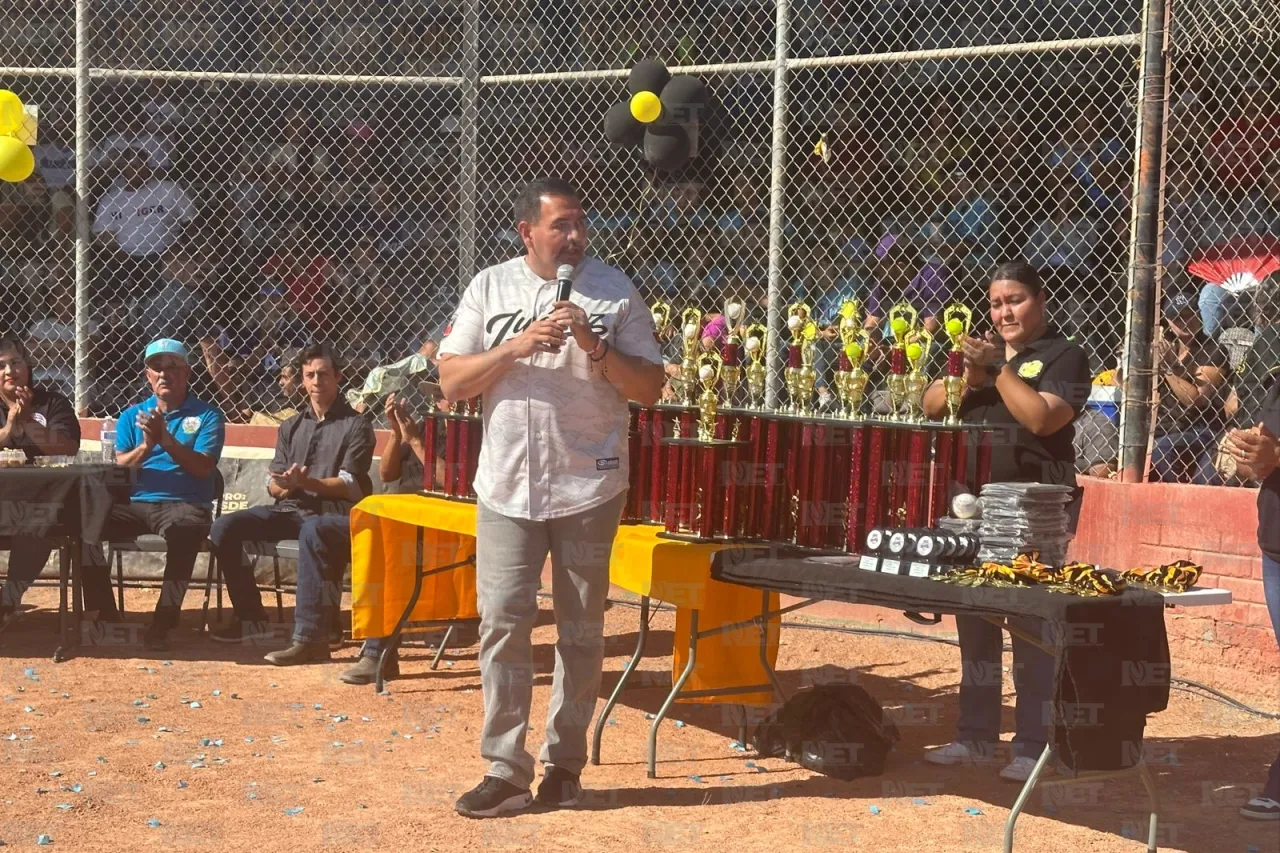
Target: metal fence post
83 235
1144 266
468 157
777 188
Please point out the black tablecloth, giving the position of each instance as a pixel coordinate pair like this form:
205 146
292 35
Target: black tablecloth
70 501
1114 669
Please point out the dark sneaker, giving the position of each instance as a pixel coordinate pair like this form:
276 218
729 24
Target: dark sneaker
242 632
493 797
336 640
365 671
156 638
559 788
300 653
1261 808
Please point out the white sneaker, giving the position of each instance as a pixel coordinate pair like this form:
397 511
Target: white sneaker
953 753
1261 808
1019 770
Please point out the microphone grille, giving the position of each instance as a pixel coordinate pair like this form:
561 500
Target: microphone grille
564 271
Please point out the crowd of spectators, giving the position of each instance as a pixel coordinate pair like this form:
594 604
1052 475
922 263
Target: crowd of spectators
249 220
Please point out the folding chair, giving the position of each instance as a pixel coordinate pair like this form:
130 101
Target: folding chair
151 543
286 548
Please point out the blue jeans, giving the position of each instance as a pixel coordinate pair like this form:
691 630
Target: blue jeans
981 686
1271 589
1218 309
1184 456
324 549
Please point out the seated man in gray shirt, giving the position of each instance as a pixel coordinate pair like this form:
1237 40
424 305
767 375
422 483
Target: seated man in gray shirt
320 470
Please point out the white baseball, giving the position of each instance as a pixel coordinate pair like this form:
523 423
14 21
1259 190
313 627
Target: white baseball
706 372
691 330
753 344
966 506
734 310
794 322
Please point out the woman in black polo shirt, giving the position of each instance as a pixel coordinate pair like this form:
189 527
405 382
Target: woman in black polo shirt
1030 383
39 422
1257 454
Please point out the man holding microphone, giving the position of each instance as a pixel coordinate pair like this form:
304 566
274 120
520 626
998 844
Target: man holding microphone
556 375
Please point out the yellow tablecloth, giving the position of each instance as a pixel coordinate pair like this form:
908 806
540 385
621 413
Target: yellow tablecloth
679 573
383 556
383 530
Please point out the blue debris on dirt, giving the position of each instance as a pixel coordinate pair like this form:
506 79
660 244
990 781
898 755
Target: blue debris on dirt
973 811
296 810
43 839
63 806
182 784
153 822
697 778
679 724
159 765
919 801
875 810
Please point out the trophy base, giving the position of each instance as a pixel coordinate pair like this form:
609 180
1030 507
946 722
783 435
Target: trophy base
428 493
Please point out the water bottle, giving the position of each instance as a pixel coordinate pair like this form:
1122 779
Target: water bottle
108 437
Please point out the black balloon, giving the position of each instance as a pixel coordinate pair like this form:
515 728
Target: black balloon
685 90
648 75
621 128
666 146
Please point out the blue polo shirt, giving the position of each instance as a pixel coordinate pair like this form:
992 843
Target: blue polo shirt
195 424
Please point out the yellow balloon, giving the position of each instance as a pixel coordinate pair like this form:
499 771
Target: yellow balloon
954 327
16 161
645 107
914 351
11 113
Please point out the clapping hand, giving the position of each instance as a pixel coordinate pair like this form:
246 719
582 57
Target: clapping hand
1257 448
294 477
403 424
154 430
979 354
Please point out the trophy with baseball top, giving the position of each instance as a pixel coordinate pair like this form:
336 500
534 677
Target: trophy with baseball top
756 345
704 500
957 321
691 341
904 322
800 375
917 352
731 371
855 341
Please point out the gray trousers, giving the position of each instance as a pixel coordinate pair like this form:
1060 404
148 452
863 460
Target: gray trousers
510 553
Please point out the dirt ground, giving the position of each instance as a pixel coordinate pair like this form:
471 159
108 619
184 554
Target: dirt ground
210 748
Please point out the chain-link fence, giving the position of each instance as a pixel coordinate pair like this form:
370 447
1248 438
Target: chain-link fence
264 172
1216 352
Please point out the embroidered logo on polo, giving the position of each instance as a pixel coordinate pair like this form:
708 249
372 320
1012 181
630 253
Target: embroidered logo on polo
190 425
39 418
1031 369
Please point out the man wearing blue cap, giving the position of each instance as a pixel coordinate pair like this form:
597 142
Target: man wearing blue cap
175 441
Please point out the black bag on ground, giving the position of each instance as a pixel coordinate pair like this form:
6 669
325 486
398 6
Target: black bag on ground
838 730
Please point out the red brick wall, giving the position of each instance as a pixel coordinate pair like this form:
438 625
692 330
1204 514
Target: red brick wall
1126 525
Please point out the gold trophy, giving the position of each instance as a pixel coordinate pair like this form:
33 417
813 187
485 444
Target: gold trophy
917 351
800 375
661 318
691 333
757 372
710 365
855 340
731 369
904 320
957 321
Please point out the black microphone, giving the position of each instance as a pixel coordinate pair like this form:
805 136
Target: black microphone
564 282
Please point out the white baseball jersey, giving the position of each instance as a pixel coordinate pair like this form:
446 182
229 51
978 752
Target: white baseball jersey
555 429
